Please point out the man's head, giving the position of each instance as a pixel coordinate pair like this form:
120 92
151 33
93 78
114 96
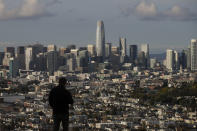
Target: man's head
62 81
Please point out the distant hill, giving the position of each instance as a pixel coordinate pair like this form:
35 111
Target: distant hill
159 57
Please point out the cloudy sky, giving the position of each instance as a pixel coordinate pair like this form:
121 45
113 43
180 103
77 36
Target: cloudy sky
161 23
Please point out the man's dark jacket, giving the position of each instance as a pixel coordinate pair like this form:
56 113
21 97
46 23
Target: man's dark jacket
59 100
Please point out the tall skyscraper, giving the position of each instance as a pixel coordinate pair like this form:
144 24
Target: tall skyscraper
107 50
115 50
82 59
145 49
29 57
193 47
71 63
100 40
21 57
177 60
91 50
38 48
62 51
153 62
6 59
133 53
13 67
141 59
10 50
40 62
75 52
51 48
183 60
1 58
123 46
20 50
170 59
189 58
52 66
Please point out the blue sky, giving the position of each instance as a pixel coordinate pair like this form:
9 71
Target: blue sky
161 23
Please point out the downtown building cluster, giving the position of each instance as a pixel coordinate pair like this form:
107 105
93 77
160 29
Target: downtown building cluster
92 58
187 59
101 56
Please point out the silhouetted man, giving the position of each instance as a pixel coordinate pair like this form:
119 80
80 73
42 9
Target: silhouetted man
59 100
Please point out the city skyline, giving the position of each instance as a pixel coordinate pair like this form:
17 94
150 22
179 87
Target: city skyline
128 64
68 23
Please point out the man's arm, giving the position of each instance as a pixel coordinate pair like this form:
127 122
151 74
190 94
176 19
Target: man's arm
70 99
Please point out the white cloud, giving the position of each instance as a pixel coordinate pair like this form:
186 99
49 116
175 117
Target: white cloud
149 11
144 9
29 9
180 13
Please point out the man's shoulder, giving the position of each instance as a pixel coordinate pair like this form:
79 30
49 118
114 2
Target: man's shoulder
54 89
59 89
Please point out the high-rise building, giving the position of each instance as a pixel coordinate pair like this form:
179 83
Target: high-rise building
10 50
170 59
21 57
153 62
82 59
91 50
41 62
62 51
183 60
45 49
72 64
20 50
141 59
82 48
100 40
189 58
177 60
133 53
71 47
145 49
6 59
193 47
29 58
123 46
52 66
13 67
75 52
115 50
51 48
1 57
83 53
39 48
107 50
123 52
